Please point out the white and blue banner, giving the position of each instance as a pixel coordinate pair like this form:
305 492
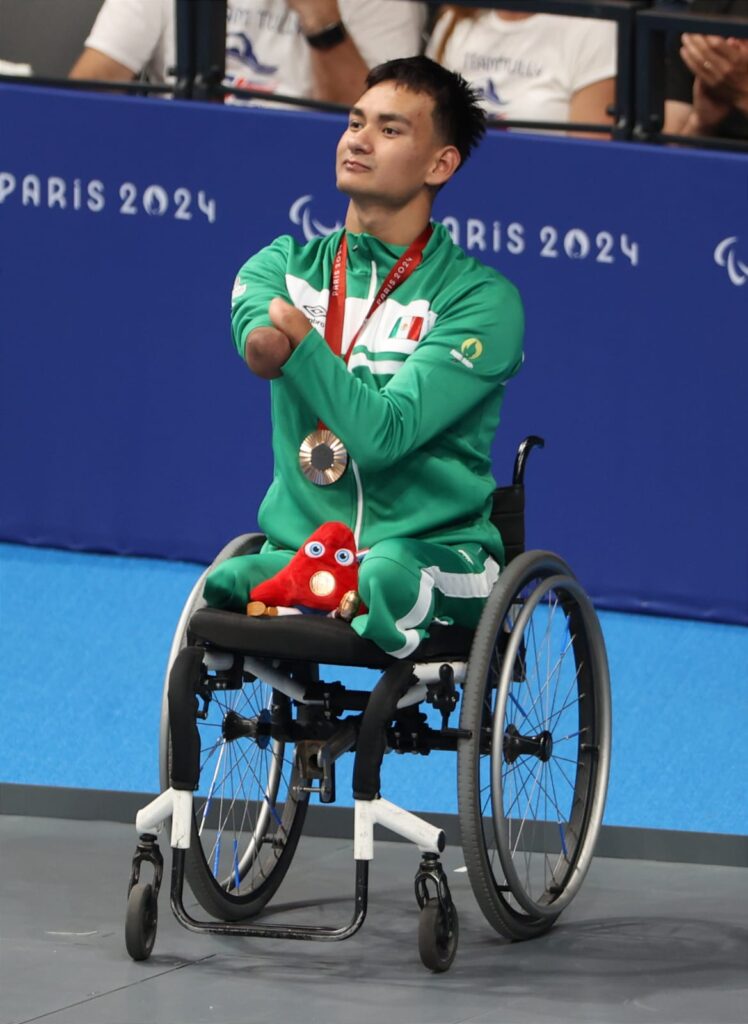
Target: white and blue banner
129 425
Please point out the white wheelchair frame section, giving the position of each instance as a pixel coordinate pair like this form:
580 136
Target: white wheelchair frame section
177 804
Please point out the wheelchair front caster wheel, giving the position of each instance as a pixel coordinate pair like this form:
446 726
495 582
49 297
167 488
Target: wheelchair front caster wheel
141 921
438 932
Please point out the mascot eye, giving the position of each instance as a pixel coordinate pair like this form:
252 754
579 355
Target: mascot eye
314 548
344 556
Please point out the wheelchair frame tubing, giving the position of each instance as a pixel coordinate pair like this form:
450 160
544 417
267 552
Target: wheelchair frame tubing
312 933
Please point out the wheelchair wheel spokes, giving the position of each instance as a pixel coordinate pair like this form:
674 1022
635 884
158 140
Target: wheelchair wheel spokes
245 788
519 778
542 760
248 812
542 767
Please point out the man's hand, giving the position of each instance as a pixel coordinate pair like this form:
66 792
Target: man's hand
290 320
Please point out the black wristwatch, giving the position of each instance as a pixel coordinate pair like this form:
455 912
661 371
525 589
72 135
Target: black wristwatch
328 37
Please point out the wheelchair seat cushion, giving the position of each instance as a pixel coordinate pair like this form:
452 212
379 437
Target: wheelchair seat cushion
316 638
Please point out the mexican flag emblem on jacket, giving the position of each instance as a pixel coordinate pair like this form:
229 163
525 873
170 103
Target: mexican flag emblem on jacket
407 327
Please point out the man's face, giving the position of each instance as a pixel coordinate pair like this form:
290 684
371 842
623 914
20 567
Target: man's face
389 150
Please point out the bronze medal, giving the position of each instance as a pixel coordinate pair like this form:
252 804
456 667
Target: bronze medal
350 602
323 457
322 583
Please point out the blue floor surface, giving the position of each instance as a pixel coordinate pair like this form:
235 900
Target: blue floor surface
85 642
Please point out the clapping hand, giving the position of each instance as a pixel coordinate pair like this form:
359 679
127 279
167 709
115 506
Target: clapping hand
720 68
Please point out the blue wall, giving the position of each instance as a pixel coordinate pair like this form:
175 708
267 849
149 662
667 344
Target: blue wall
128 425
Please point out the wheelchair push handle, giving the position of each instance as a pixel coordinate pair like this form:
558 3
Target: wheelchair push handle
523 452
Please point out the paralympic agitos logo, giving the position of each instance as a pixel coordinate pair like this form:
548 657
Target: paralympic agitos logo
725 255
301 214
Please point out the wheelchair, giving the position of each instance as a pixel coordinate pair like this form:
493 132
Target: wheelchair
250 732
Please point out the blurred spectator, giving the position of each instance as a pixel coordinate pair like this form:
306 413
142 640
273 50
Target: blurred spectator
707 79
317 48
537 67
9 67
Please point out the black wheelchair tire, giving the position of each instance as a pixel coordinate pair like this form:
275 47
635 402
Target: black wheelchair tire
438 935
504 898
141 921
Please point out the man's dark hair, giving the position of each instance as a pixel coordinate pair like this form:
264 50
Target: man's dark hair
459 118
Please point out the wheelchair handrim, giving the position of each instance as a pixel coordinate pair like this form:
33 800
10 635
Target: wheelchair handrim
580 828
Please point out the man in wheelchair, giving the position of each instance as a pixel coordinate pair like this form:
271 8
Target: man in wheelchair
388 350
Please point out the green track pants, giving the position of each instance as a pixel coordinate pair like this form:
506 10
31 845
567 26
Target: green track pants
405 584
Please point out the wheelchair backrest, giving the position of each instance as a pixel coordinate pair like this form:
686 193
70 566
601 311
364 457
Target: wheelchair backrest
508 510
508 516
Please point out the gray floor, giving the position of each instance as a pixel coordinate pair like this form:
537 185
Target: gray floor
643 942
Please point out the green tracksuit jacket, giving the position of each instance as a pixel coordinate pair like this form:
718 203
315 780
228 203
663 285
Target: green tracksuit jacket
418 404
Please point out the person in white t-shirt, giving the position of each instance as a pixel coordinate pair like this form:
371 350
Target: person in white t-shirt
314 48
531 67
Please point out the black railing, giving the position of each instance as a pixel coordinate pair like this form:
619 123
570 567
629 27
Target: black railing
135 88
638 109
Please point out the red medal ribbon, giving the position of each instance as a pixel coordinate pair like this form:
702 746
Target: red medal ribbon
400 272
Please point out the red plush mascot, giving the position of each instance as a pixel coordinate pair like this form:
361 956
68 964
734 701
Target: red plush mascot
322 576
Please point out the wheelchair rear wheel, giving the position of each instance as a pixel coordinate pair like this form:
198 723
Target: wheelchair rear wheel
248 811
246 544
533 776
248 814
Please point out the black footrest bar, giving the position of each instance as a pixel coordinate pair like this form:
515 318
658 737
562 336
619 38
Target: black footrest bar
312 933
